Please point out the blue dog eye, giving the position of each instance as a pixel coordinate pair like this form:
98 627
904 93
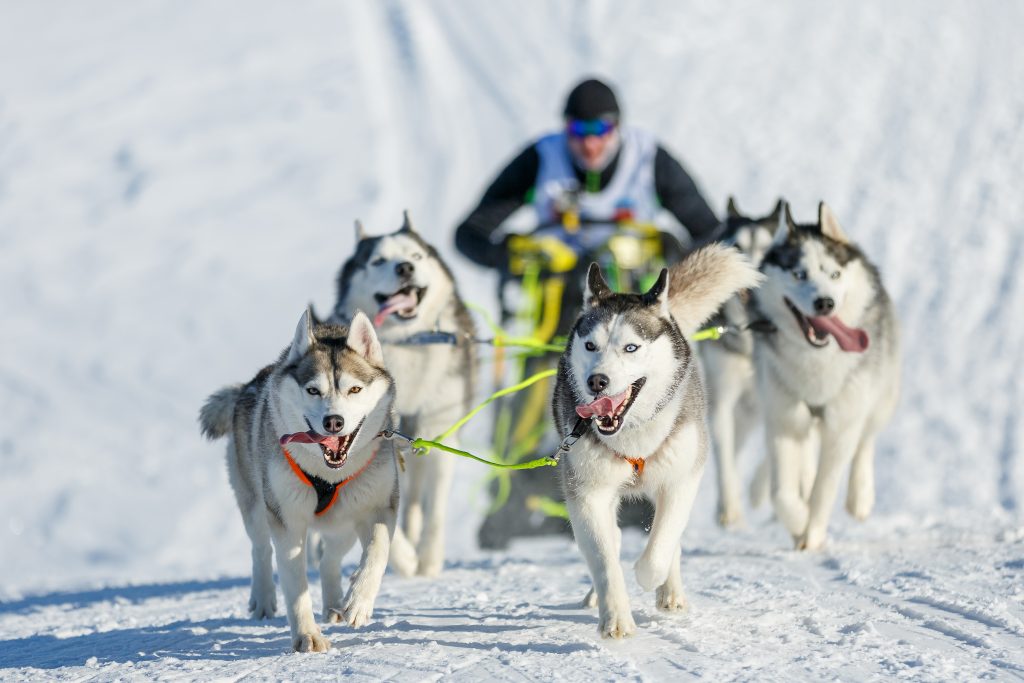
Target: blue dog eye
630 348
590 346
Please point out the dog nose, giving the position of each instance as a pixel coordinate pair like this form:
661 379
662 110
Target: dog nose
823 305
404 269
597 383
334 423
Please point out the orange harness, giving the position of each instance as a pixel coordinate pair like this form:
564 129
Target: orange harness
326 492
637 463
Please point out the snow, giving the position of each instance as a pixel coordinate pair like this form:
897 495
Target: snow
177 180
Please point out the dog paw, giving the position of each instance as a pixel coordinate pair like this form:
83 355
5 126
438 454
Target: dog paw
812 539
263 606
311 642
730 516
670 600
860 503
651 573
430 565
357 611
334 615
617 623
590 601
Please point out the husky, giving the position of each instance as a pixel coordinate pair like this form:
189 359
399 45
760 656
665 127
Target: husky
628 389
728 364
428 338
303 454
828 376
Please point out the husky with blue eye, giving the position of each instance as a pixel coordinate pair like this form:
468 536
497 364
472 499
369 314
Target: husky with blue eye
304 454
828 374
628 386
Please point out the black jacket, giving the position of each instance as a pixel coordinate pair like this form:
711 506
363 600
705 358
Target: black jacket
676 192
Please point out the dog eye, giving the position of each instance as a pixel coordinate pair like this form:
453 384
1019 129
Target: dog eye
355 390
590 346
630 348
379 261
417 257
835 275
312 391
800 274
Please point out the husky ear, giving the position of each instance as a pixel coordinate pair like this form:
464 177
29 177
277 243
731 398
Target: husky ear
360 231
777 218
657 295
787 226
303 337
596 289
362 339
829 224
313 317
406 223
730 208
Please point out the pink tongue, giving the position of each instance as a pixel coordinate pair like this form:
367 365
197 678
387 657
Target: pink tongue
848 338
602 407
332 442
395 302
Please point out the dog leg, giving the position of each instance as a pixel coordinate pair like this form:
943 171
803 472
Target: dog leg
375 535
788 426
671 513
839 442
412 515
670 596
860 494
262 593
289 544
809 462
592 514
403 554
335 547
439 484
590 599
723 430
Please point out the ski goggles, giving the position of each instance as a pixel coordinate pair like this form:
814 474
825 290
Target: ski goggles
579 128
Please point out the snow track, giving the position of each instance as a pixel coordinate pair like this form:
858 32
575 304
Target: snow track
177 180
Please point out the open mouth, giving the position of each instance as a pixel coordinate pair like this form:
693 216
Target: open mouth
817 330
609 412
403 304
334 448
815 336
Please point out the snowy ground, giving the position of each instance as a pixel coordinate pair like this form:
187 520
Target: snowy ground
178 179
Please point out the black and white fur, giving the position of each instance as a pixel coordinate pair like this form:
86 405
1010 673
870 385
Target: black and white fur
332 372
813 391
434 382
625 338
733 409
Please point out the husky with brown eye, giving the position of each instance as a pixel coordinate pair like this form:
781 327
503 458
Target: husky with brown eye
628 386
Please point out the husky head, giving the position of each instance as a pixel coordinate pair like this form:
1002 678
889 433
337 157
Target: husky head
752 236
817 283
625 357
398 276
334 387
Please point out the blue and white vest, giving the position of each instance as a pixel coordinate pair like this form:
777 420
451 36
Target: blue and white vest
631 186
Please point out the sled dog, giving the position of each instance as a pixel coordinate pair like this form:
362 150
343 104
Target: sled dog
829 373
427 335
728 365
628 386
304 454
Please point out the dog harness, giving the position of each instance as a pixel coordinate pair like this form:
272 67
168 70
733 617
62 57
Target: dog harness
577 431
326 492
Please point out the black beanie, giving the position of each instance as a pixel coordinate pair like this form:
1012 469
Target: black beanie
591 99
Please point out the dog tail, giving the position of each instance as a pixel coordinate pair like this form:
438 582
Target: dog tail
704 280
217 416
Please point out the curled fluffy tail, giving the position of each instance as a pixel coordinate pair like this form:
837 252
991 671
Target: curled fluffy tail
704 280
217 416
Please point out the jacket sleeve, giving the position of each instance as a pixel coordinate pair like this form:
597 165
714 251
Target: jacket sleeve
508 192
679 196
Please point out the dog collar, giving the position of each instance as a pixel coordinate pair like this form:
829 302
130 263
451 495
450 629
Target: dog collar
637 463
430 337
326 492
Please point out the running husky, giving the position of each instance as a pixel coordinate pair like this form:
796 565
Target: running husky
427 335
303 454
627 386
829 373
728 364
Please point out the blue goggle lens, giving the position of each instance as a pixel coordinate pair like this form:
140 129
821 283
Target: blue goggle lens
581 129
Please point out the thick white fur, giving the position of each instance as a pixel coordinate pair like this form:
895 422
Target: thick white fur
665 425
